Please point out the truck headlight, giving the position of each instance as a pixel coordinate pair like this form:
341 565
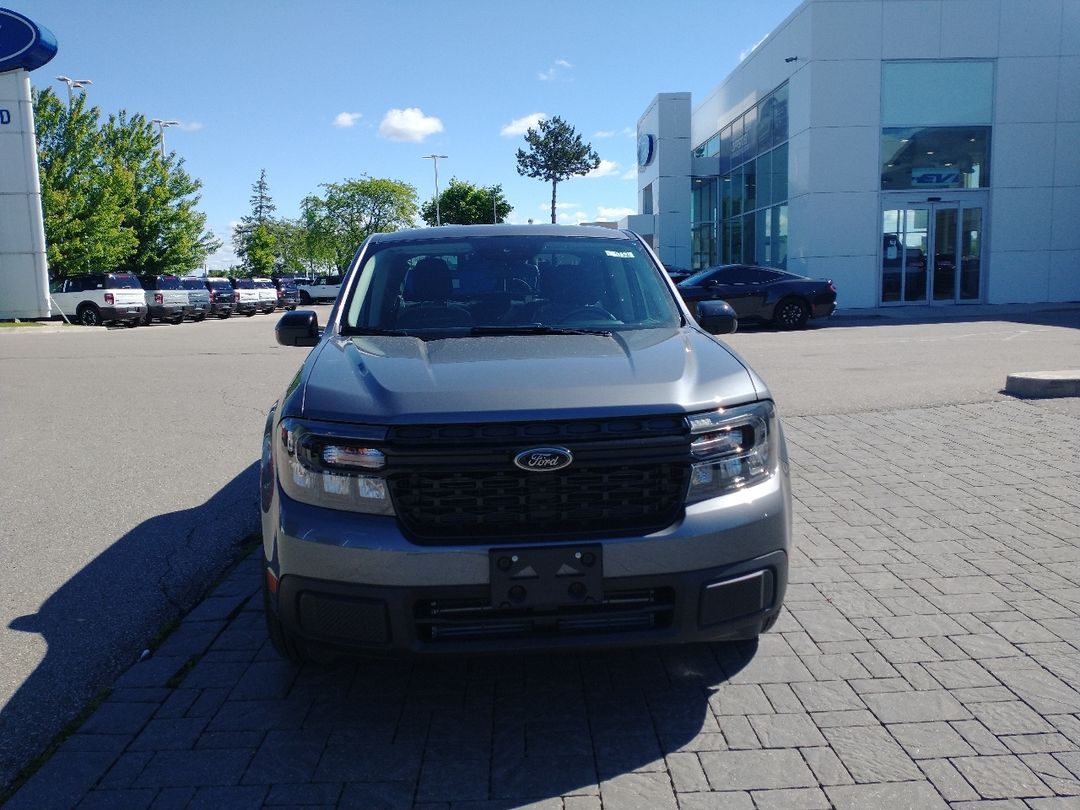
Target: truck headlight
736 448
332 465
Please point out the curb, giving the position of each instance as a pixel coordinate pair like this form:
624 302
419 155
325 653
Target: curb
1043 384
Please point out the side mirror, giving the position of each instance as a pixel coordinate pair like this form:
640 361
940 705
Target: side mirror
298 328
717 317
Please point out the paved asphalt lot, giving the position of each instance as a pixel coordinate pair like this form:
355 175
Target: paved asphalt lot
927 656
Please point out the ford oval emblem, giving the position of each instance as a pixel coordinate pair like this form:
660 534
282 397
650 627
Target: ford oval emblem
23 44
544 459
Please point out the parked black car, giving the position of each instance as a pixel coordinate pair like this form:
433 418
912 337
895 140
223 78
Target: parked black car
678 273
288 294
762 294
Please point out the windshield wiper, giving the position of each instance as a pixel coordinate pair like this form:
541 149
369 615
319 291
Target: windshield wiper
536 329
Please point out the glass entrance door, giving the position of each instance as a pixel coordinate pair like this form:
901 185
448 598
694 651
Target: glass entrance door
931 252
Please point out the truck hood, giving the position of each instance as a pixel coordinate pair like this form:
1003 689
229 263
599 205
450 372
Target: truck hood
398 380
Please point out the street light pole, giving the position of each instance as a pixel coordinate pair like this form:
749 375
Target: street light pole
435 162
71 85
161 130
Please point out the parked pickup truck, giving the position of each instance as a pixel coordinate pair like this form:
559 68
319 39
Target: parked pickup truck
166 299
223 298
322 288
96 299
509 438
248 300
198 297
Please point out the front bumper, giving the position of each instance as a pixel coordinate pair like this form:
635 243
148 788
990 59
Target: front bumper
355 582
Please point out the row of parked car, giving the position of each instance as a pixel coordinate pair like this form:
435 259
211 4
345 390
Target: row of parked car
97 299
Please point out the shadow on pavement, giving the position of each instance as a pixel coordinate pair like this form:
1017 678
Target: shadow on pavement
216 719
100 620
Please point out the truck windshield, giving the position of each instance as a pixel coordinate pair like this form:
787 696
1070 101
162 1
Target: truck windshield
454 286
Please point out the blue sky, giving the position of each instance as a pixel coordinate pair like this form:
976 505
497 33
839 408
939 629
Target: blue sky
326 90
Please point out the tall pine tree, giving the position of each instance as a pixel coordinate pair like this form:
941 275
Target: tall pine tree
253 237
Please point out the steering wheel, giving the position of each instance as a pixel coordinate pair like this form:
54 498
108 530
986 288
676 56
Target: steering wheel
519 285
592 312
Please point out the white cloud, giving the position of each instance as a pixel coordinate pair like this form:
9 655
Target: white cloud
604 133
519 125
558 205
344 120
613 214
573 217
629 174
607 168
192 126
223 258
556 70
409 125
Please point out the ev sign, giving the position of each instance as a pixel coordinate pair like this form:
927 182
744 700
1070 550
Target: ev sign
936 178
24 273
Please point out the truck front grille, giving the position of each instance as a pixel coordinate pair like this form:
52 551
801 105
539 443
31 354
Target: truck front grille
481 506
458 484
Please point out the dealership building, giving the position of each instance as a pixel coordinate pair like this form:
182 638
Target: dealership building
914 151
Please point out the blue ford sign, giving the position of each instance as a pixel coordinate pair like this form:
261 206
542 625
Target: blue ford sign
23 44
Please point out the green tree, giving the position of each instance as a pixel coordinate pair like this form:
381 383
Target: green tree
111 200
260 259
256 233
349 212
556 153
171 235
290 240
462 203
85 206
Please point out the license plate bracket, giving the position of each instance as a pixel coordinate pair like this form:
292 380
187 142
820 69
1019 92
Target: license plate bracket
546 576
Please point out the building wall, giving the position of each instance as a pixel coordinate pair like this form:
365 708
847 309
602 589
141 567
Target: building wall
667 120
24 288
831 52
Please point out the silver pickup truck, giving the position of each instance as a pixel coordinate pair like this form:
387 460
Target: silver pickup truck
512 438
198 297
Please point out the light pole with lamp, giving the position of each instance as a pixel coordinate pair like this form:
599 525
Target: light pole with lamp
161 130
435 162
71 85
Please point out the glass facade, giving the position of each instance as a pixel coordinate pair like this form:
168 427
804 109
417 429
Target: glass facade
935 139
741 217
935 157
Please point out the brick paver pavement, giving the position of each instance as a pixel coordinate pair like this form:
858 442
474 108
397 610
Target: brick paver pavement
927 658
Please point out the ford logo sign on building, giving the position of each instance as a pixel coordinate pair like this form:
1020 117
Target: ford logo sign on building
544 459
22 43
